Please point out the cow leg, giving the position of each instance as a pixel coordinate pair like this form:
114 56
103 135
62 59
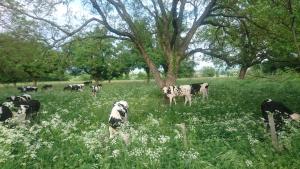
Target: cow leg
190 99
170 100
112 132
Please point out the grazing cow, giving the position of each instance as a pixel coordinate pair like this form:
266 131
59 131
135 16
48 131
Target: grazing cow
204 90
87 83
280 113
200 88
32 107
19 116
74 87
183 90
24 97
195 88
47 86
5 113
95 89
27 89
118 116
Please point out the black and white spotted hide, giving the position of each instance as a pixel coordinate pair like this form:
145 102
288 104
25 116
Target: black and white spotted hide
74 87
118 116
23 98
32 108
96 89
204 90
280 113
173 91
28 89
17 116
5 113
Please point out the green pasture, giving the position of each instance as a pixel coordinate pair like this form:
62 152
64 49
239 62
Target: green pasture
71 130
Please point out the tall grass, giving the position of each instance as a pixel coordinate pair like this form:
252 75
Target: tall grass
71 130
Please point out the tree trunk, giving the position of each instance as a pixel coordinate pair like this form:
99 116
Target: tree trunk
243 72
148 74
173 67
153 69
15 84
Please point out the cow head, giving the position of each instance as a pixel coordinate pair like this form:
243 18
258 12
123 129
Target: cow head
23 109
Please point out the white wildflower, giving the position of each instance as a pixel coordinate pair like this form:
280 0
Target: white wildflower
249 163
115 153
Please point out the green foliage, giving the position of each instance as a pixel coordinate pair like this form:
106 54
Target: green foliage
27 60
186 69
94 55
208 71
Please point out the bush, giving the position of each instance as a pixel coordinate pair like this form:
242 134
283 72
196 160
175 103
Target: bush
208 71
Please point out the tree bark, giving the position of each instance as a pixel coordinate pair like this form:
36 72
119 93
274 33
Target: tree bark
243 72
153 69
173 68
148 74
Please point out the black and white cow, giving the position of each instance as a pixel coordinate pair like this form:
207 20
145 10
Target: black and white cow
47 86
280 113
95 89
5 113
32 107
28 89
19 116
118 116
74 87
24 97
204 90
200 88
183 90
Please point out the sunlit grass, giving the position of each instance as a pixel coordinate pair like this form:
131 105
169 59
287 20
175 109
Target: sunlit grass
71 130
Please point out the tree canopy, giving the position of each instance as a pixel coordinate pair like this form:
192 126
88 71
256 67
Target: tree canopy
166 33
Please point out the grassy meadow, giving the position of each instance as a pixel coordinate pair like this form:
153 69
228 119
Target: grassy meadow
71 130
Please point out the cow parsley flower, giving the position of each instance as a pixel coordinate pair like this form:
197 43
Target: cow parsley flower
115 153
249 163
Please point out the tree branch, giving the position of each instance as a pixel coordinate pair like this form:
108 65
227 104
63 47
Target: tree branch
197 24
107 25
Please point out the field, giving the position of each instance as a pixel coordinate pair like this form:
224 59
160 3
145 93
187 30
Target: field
226 131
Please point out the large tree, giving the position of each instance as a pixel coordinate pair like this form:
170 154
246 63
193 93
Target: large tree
173 25
26 59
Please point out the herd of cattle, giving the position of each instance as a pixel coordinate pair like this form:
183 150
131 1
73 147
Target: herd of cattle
23 107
